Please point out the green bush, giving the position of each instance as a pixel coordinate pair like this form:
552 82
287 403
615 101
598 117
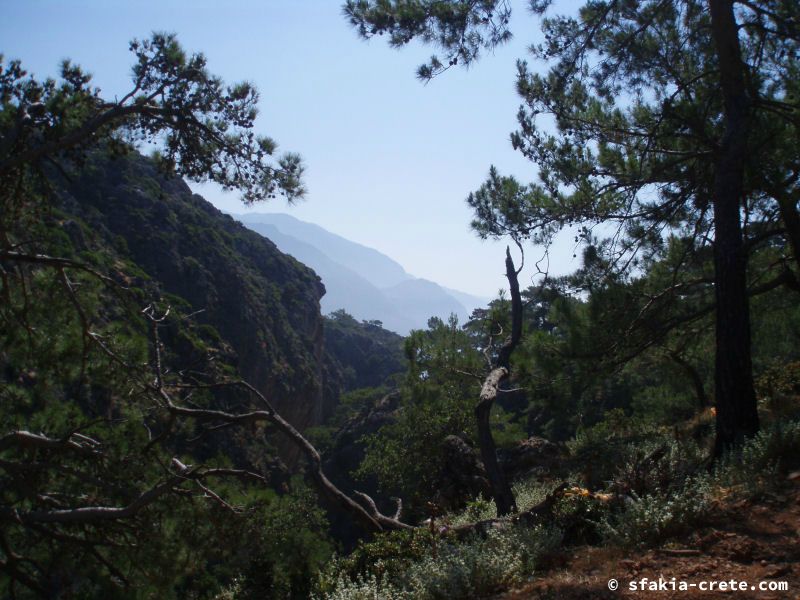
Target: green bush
475 567
752 470
528 493
287 547
669 510
653 518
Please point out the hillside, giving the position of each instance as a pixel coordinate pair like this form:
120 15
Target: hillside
420 299
345 288
374 266
137 282
200 406
750 542
364 282
366 354
264 304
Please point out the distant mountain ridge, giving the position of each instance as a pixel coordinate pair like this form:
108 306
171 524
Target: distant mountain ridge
366 283
377 268
344 288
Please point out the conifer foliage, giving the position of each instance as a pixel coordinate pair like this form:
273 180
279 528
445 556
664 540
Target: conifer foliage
654 126
104 491
203 128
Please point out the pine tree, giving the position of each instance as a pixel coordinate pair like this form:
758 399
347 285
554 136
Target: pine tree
654 122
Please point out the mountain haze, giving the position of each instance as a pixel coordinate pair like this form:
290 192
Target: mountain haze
375 267
366 283
344 287
420 299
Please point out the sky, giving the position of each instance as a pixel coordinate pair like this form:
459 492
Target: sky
389 160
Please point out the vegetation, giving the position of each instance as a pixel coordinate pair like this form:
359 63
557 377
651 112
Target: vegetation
670 505
151 349
135 458
367 354
666 118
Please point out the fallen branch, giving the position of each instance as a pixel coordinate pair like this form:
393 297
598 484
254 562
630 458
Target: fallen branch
679 552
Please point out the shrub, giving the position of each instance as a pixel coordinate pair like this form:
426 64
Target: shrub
752 470
653 518
474 567
665 511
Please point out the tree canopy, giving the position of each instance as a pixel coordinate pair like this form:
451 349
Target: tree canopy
99 483
660 130
202 129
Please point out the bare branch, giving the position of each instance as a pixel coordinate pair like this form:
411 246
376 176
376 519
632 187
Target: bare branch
26 440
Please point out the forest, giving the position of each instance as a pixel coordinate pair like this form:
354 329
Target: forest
178 419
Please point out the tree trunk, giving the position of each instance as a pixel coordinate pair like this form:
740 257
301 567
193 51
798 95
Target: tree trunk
501 490
503 496
737 416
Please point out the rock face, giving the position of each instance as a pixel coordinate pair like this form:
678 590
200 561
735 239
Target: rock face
263 303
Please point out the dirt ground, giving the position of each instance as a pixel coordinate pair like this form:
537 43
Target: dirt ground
748 542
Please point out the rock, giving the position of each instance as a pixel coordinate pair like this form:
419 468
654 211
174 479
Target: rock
773 571
262 304
741 550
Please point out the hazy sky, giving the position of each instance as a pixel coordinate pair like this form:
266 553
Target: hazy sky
389 160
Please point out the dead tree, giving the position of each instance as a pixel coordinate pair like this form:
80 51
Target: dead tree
98 524
501 490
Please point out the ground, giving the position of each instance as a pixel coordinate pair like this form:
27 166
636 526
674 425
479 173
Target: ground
749 541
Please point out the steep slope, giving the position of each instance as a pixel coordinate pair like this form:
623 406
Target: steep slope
263 303
421 299
375 267
362 281
367 355
344 287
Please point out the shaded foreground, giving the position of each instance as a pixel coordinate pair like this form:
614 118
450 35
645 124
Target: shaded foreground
747 541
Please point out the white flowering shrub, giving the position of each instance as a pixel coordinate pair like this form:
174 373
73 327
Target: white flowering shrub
669 511
530 492
673 495
655 517
482 565
753 470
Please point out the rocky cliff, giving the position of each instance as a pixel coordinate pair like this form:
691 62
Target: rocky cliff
263 304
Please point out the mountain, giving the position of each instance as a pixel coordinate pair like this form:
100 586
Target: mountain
375 267
263 304
420 299
469 301
257 305
366 283
345 288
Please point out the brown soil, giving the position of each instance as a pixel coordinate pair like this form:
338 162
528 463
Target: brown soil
748 542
